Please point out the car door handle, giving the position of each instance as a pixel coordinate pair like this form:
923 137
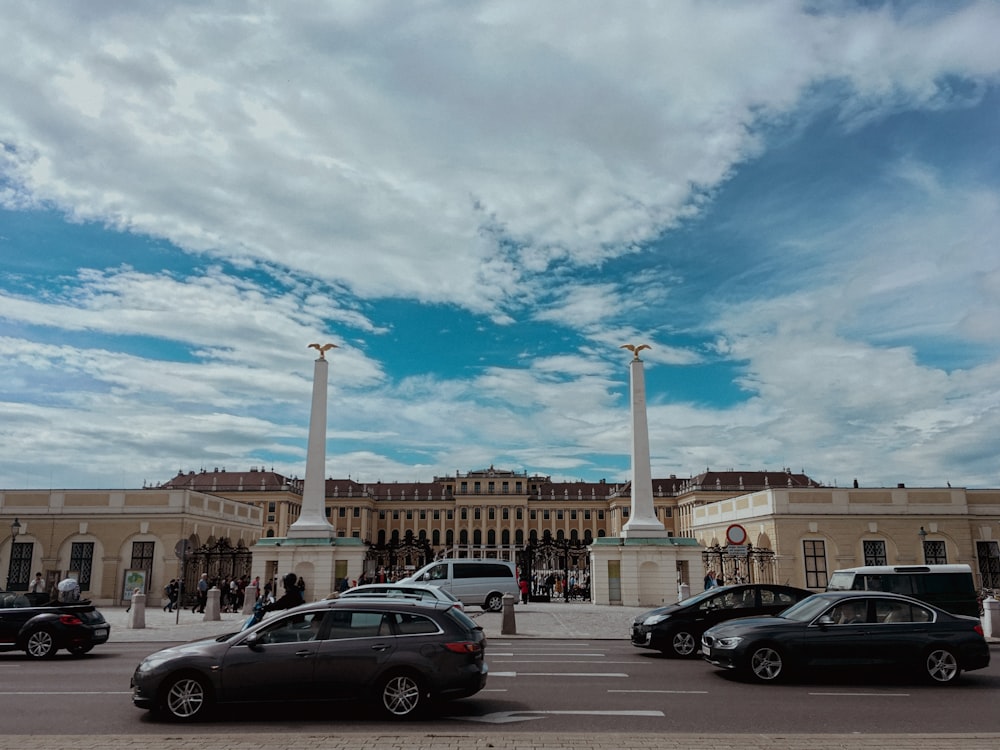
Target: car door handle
380 647
305 652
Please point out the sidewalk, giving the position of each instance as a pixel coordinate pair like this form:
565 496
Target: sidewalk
575 620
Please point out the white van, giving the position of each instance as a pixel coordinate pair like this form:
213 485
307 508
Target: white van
472 581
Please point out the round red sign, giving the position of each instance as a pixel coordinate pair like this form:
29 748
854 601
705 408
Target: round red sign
736 534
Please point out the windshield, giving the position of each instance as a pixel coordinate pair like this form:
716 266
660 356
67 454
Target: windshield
841 582
806 610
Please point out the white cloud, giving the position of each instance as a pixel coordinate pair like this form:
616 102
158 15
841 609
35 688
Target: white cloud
373 145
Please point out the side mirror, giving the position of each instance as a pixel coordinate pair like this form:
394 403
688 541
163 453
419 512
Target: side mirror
824 621
251 641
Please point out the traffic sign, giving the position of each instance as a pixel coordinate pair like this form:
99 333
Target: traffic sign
183 548
736 534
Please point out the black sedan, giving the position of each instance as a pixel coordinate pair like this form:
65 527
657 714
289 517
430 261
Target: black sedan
400 654
676 629
851 630
42 629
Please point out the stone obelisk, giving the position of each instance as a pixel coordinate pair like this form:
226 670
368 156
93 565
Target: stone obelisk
312 522
642 522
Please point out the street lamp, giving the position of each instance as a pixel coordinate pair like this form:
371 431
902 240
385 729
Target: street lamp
923 537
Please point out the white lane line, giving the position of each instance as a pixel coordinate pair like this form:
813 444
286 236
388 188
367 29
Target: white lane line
865 695
66 692
546 653
671 692
556 661
558 674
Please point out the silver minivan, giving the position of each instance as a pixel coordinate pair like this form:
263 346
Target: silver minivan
472 581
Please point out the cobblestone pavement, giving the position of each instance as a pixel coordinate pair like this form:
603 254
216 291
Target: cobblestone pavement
536 620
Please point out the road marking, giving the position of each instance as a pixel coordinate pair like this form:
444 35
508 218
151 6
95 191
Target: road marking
67 692
544 653
558 661
558 674
866 695
507 717
672 692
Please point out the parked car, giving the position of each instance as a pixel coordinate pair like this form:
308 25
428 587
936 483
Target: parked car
473 581
400 654
418 591
950 587
41 629
850 630
676 629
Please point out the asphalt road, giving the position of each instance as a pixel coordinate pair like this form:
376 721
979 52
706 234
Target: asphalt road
537 686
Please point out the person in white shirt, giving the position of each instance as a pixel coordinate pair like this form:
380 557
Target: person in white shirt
38 585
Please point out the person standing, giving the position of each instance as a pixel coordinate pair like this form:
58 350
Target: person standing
37 586
171 591
525 587
202 594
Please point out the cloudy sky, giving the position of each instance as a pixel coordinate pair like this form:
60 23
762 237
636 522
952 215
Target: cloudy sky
795 204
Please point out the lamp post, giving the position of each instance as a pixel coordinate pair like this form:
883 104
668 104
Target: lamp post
923 536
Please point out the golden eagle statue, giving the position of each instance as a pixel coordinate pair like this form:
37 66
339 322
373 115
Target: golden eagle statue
322 349
635 349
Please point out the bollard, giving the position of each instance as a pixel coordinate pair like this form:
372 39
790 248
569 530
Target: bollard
212 608
137 611
991 617
249 599
509 627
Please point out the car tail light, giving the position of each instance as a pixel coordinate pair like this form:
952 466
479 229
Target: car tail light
464 647
979 629
70 620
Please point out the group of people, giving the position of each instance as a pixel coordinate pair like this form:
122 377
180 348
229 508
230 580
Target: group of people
556 585
232 592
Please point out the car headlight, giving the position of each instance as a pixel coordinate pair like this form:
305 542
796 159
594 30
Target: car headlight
727 643
654 619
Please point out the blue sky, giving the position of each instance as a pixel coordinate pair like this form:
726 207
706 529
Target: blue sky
796 205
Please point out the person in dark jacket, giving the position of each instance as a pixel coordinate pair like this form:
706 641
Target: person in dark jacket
292 596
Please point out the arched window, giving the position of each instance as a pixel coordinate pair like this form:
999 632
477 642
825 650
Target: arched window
436 537
559 535
395 536
491 538
381 536
533 536
600 532
505 537
573 535
477 537
587 537
463 536
519 537
449 537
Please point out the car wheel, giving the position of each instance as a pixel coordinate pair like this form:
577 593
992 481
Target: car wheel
942 666
766 664
494 602
401 696
682 643
185 698
40 645
79 650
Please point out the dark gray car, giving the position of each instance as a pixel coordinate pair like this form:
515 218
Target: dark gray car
400 654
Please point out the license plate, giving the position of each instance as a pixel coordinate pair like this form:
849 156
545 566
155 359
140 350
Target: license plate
101 633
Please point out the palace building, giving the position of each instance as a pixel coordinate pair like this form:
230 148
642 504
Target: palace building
797 531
